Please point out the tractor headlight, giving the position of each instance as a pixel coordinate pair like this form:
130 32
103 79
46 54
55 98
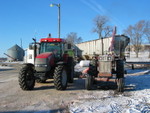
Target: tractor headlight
40 65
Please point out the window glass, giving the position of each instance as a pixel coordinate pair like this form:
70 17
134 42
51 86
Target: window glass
50 47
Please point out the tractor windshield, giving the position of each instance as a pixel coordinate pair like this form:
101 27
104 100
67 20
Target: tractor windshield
54 47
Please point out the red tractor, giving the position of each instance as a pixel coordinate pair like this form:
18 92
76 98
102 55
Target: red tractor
52 61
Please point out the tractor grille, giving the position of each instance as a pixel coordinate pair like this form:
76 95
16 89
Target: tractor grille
41 65
105 66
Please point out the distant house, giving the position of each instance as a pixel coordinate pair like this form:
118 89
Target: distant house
144 47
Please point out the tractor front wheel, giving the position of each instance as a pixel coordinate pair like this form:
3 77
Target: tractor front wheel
60 77
89 82
120 83
26 78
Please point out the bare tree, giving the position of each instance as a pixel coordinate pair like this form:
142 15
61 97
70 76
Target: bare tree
136 34
101 27
147 33
73 38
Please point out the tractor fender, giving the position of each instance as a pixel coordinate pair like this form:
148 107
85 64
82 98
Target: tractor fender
28 64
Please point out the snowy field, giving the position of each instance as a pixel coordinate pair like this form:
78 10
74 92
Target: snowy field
135 99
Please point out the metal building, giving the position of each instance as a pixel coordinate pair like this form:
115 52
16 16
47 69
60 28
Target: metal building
15 53
95 46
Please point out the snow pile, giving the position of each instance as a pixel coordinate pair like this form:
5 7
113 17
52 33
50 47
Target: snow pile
84 63
135 99
79 68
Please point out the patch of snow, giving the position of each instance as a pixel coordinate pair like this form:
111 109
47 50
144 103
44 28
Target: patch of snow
140 59
137 72
135 99
78 68
84 63
17 62
6 67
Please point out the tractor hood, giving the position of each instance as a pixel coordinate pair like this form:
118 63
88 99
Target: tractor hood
44 55
44 62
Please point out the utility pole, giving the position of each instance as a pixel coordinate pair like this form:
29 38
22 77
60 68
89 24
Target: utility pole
58 5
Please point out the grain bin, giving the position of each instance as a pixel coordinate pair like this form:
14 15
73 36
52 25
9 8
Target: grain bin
16 53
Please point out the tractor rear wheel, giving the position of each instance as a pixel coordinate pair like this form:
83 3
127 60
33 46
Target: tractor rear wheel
60 77
70 70
26 78
120 84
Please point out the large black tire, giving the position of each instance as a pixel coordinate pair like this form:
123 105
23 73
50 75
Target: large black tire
120 69
60 77
70 74
120 83
120 75
70 70
26 78
89 82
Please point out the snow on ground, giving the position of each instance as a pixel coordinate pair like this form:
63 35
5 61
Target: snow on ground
5 67
140 59
135 99
16 62
8 65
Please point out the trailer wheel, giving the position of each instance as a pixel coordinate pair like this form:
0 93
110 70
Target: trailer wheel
60 77
26 78
89 82
120 84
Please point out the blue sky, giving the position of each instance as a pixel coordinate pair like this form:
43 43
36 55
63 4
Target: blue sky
26 19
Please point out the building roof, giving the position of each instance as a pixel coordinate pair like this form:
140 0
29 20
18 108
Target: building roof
15 47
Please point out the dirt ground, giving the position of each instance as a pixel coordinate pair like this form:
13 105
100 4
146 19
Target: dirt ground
44 97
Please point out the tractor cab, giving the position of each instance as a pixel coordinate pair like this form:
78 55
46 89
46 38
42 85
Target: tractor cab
54 45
